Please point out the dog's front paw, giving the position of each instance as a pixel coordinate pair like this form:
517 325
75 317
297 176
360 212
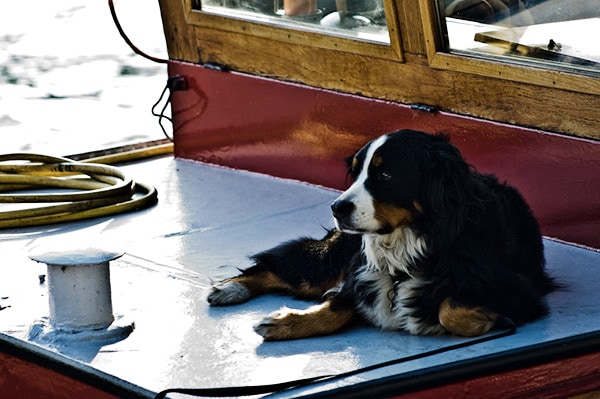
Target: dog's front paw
280 325
466 321
228 293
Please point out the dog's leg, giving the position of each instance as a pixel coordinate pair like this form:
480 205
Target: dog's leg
466 321
305 268
321 319
241 288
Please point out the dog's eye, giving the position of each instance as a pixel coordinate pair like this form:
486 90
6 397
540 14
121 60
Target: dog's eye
383 175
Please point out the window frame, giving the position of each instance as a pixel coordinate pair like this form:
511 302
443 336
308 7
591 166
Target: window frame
326 40
516 70
415 68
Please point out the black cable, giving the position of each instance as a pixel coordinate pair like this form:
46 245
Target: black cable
162 115
129 42
270 388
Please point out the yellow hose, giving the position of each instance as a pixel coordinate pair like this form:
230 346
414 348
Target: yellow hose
94 189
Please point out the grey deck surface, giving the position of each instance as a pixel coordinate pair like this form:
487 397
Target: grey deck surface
208 220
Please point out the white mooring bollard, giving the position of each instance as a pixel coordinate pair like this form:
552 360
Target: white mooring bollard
79 293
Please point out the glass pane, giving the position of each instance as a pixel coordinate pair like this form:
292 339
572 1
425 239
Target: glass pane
560 32
360 19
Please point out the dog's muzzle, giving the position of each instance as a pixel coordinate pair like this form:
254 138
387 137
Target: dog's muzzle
342 212
342 209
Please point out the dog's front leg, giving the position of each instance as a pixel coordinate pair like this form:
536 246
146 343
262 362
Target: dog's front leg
466 321
317 320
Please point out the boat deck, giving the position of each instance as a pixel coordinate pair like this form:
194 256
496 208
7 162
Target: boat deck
208 220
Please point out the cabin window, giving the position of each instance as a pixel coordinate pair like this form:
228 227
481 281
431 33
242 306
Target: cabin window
557 33
357 19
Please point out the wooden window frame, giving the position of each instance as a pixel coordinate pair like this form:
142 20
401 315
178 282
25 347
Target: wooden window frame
315 38
502 68
435 51
414 68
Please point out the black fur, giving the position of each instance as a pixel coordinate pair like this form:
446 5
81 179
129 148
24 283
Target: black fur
309 261
483 244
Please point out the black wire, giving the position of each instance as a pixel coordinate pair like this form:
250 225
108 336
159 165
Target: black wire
136 50
269 388
162 115
129 42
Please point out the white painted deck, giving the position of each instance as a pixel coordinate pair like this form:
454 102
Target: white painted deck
207 221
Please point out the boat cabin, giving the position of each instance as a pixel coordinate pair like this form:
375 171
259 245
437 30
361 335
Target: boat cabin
292 88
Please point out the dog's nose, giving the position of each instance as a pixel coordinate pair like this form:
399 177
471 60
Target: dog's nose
342 208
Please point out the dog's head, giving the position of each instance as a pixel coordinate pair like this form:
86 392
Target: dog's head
398 178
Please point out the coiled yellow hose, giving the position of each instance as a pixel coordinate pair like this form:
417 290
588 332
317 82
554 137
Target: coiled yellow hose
93 189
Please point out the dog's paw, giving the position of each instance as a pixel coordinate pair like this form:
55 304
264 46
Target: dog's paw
280 325
466 321
228 293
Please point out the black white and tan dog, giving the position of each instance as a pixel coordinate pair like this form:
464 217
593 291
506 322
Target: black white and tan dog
423 243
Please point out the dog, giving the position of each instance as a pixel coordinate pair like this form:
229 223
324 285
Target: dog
422 243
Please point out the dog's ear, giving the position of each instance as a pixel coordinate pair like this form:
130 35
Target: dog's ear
445 188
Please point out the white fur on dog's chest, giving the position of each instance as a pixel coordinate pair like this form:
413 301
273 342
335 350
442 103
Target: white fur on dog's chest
388 309
388 256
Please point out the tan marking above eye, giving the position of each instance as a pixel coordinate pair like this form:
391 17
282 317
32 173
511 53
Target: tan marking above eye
354 163
377 161
418 206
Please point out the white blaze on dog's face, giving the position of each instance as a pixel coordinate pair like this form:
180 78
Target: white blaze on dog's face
383 196
354 210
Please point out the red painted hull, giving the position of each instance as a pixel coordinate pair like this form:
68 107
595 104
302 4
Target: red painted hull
566 378
20 378
562 379
304 133
31 371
